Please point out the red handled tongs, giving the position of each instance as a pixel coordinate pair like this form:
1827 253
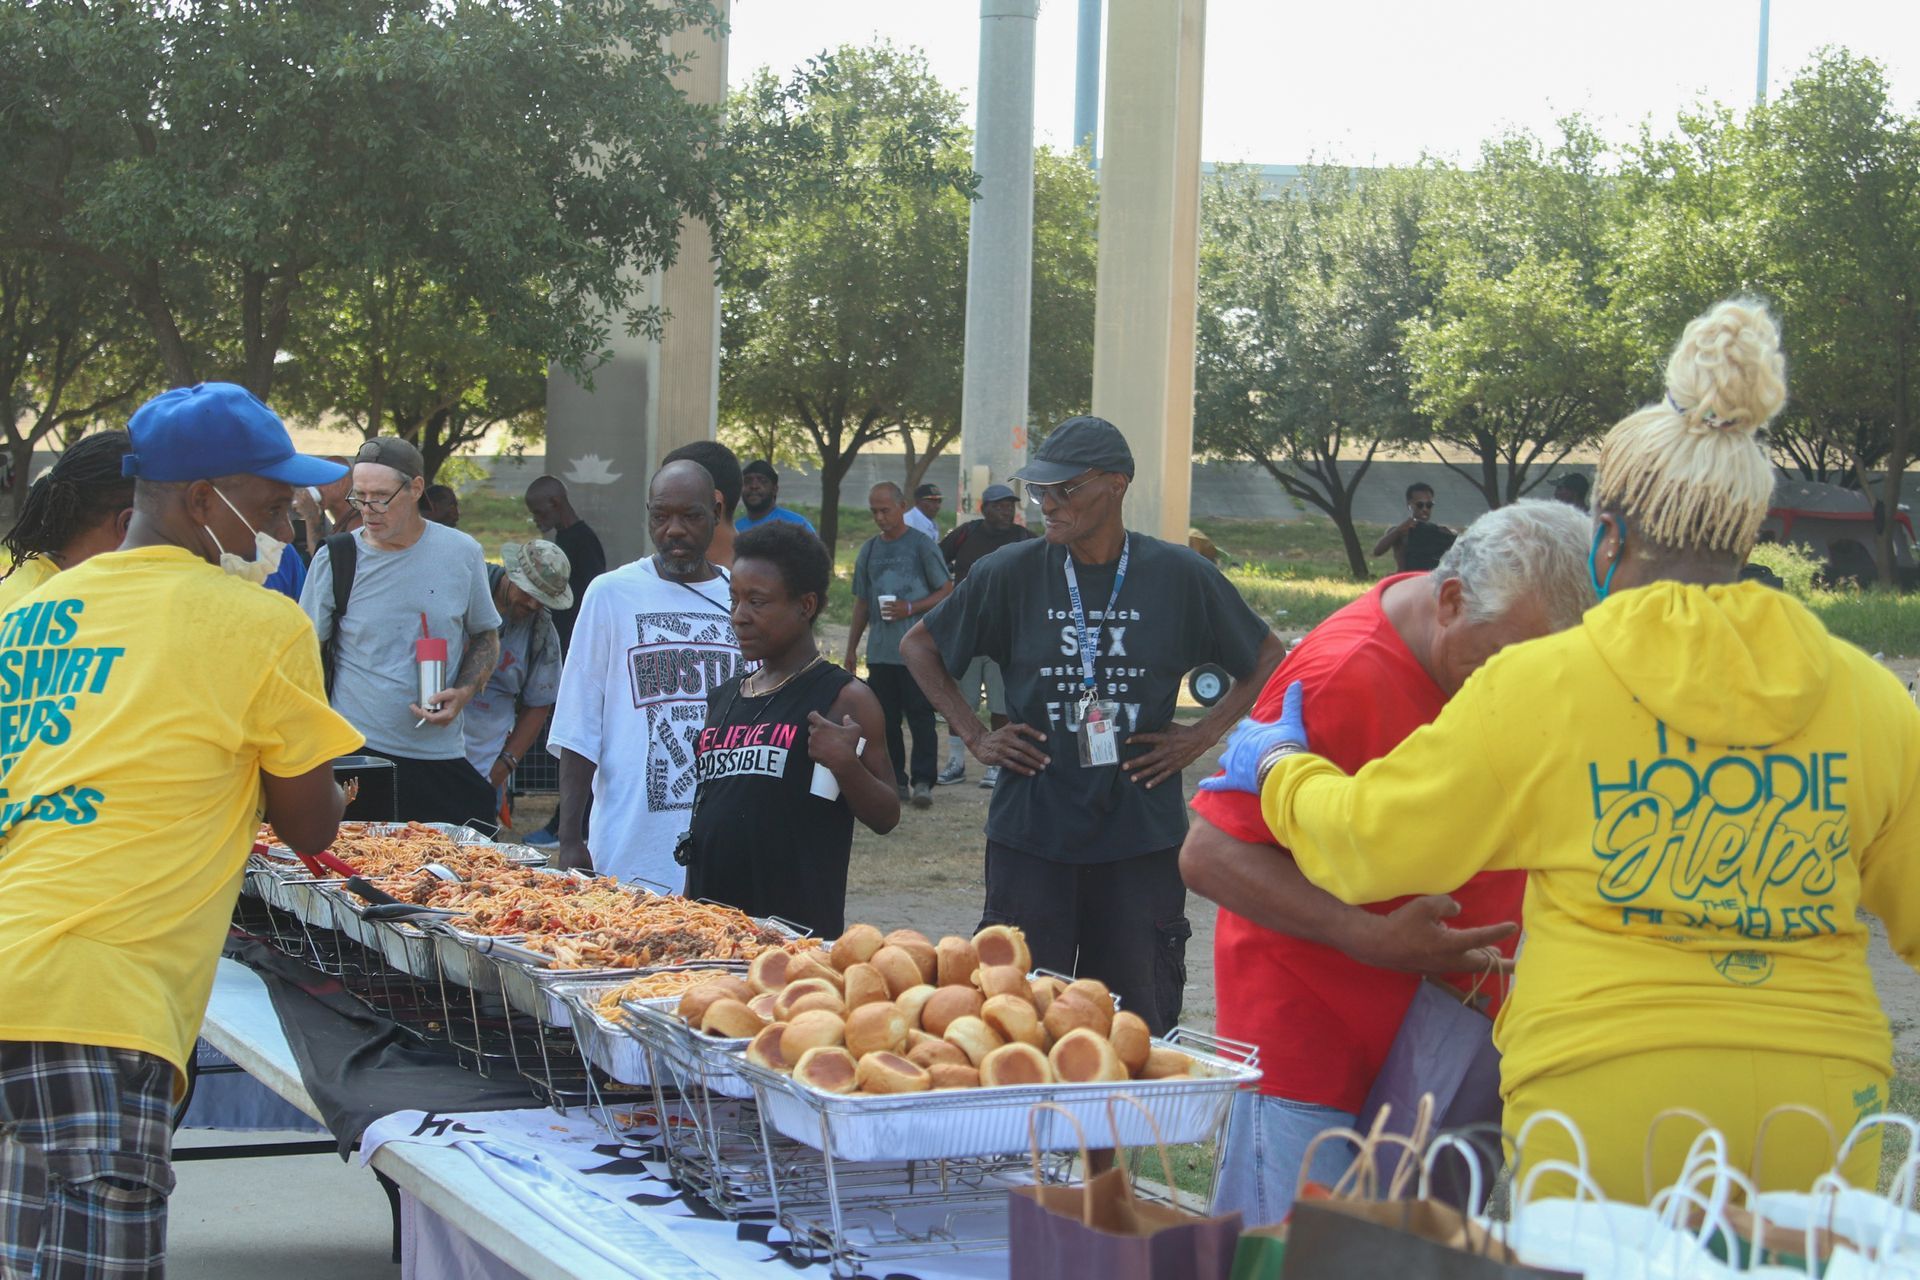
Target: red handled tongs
321 866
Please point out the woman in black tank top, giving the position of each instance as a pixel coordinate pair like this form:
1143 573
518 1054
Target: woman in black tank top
760 839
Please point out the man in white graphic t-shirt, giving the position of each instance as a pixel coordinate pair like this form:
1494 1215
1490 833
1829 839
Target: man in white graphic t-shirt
651 639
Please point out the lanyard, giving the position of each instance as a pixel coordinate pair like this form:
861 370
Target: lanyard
1088 639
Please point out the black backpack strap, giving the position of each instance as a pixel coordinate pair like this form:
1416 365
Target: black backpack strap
343 558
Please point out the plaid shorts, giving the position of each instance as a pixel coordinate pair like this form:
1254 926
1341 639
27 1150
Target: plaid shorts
85 1134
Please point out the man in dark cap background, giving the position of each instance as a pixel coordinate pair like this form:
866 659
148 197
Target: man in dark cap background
406 573
1571 489
924 514
1094 628
760 499
965 547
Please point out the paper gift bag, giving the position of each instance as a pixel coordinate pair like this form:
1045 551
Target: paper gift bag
1404 1239
1443 1048
1262 1253
1102 1231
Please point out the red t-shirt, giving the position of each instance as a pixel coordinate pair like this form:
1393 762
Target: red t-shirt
1323 1021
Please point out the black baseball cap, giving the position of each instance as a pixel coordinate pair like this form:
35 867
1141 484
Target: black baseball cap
760 467
1077 445
392 451
1572 480
926 491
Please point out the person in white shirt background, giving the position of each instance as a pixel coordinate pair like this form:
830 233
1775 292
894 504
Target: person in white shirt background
923 514
651 638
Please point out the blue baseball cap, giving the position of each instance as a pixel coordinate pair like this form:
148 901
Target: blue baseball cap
995 493
215 429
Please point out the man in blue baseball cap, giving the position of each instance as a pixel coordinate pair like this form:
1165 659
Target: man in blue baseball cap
154 703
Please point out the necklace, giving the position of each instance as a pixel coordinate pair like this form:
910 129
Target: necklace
784 683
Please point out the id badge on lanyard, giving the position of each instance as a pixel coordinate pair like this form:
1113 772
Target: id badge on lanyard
1098 732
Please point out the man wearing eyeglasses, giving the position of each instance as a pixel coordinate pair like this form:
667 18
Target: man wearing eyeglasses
411 579
1093 627
1417 542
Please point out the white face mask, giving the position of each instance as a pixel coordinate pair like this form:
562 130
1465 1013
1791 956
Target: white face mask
266 551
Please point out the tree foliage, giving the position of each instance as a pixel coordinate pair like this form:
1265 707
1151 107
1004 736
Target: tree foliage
1303 296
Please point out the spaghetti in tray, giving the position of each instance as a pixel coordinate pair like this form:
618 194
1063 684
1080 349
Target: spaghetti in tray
378 849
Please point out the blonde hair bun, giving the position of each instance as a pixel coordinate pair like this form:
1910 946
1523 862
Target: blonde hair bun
1689 473
1727 373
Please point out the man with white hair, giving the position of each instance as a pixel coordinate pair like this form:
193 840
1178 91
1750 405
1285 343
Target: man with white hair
1319 986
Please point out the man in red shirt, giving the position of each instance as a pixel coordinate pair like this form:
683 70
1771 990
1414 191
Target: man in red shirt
1321 987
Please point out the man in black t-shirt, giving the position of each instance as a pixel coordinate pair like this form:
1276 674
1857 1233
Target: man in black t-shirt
963 548
1417 542
1084 832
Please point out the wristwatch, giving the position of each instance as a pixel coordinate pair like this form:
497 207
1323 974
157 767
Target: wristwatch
1271 759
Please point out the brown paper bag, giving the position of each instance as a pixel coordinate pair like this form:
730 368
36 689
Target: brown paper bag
1102 1231
1405 1239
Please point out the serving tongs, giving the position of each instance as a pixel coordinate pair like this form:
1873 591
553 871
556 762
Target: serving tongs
384 906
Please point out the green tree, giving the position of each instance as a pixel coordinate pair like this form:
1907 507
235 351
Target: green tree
1303 296
1839 168
841 313
1520 360
66 360
217 161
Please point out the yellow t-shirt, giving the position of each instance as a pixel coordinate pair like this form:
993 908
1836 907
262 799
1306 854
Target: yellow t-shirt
29 575
1703 786
140 697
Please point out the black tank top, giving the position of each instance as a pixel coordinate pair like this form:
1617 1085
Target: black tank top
762 841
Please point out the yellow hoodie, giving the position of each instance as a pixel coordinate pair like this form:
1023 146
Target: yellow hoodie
1703 785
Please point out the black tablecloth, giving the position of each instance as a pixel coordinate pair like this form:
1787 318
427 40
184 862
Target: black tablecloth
358 1066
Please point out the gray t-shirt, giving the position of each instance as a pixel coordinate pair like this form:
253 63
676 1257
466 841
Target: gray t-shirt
444 576
910 567
528 675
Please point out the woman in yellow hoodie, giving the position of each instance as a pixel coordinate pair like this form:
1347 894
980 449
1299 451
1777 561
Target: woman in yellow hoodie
1703 786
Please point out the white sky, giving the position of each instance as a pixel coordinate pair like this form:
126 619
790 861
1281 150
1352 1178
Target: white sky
1380 81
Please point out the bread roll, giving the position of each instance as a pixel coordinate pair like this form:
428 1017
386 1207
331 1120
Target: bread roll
815 1029
913 1001
1043 990
855 946
828 1068
1070 1011
731 1020
954 961
1164 1064
1002 980
764 1003
1131 1040
1082 1056
932 1053
814 964
915 944
1013 1064
1013 1019
876 1028
1095 991
973 1037
807 993
1003 944
769 970
954 1075
891 1073
946 1004
765 1049
898 968
695 1003
864 985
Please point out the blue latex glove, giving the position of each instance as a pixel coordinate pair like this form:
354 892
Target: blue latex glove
1251 740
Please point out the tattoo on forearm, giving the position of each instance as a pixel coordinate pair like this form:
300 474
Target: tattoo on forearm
476 664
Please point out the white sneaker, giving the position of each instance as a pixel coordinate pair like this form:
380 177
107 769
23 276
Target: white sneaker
956 771
992 779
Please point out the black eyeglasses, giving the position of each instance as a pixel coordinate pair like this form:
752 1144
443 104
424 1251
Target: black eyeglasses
1037 493
360 502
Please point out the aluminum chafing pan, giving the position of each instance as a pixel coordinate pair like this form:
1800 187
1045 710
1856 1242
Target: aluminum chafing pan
688 1058
407 947
958 1123
604 1044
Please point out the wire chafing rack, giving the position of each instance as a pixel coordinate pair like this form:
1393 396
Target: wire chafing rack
963 1150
